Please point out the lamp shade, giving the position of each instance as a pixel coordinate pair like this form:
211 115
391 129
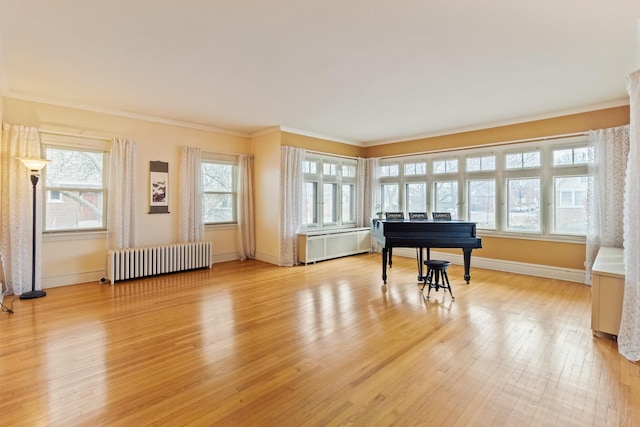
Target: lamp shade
34 164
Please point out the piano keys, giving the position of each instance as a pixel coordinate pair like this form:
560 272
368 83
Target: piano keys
423 234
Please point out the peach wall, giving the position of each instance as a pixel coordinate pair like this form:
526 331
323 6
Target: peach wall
600 119
321 145
82 258
557 254
266 150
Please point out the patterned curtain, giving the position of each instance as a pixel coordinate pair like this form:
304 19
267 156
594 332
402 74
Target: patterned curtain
246 226
190 214
16 213
366 190
629 335
605 192
121 218
291 185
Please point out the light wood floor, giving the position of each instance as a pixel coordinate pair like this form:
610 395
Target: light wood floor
248 344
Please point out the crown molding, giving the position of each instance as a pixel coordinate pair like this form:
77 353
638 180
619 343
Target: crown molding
125 114
319 136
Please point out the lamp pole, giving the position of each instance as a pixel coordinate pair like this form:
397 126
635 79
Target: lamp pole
34 165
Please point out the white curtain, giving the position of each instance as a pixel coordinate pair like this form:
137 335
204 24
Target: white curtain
16 214
605 192
366 190
291 185
190 215
629 335
123 182
246 226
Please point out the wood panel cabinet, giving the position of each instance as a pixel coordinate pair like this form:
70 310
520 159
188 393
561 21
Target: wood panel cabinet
607 290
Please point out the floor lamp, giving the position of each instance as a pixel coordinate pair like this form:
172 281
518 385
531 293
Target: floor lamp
34 165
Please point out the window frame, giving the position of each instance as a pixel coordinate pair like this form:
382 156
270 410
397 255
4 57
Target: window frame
500 175
338 181
222 159
78 144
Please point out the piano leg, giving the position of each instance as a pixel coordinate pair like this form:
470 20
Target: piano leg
420 259
384 265
467 263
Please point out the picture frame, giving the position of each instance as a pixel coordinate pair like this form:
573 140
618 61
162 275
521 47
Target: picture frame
158 187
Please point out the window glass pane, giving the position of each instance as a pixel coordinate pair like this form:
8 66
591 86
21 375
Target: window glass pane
523 204
310 167
531 160
572 156
419 168
513 161
416 197
445 197
218 207
217 177
73 210
582 155
389 170
570 211
348 208
349 171
329 203
481 199
477 164
74 169
309 199
563 157
390 197
74 185
330 169
445 166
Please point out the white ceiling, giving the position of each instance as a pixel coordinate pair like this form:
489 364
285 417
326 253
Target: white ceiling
359 71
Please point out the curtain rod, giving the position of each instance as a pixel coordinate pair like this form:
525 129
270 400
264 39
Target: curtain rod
494 144
320 153
75 135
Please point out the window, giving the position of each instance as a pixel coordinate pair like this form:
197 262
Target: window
445 166
329 191
523 204
533 189
481 197
570 183
445 197
481 164
219 191
523 160
74 183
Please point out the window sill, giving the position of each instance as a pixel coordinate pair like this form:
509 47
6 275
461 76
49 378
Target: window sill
64 236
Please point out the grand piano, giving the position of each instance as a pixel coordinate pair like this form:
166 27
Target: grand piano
421 234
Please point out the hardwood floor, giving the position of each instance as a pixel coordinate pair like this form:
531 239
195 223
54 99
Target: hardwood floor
248 343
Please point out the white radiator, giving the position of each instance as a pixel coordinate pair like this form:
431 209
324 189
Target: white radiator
130 263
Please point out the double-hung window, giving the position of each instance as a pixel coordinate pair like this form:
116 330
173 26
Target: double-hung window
219 189
75 187
523 191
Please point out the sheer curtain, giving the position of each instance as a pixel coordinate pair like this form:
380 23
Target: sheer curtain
366 190
246 226
629 335
291 185
190 215
121 218
16 214
605 192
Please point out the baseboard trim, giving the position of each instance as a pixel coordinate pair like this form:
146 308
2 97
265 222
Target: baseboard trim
546 271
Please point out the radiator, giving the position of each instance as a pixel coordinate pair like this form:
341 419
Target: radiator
131 263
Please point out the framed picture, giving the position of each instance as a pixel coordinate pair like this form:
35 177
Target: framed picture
159 187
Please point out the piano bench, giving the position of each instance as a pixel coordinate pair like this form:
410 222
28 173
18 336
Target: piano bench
437 277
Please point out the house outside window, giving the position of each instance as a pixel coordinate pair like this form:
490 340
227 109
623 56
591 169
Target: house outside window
75 187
